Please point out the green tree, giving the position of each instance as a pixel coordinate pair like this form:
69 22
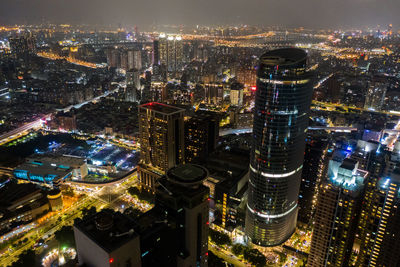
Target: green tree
219 238
133 213
65 236
28 258
88 211
141 194
255 257
215 261
238 249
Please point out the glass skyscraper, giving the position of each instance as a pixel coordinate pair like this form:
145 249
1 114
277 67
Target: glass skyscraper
282 104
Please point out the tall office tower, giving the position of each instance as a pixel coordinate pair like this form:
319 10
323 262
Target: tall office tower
315 166
161 133
376 93
337 213
156 52
182 196
282 106
379 236
201 134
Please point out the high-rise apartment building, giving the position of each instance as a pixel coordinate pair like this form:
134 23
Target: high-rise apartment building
132 93
379 233
314 171
161 133
376 93
236 94
134 59
337 213
201 134
282 105
170 49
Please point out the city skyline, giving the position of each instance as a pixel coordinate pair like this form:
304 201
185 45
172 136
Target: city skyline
134 134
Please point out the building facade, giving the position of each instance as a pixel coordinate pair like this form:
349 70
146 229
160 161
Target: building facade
380 233
337 213
282 106
161 133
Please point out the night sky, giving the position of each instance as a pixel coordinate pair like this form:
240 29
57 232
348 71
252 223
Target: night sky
308 13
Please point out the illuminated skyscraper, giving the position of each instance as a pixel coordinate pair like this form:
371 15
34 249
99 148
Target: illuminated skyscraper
163 49
201 135
282 106
314 171
376 93
170 49
337 213
380 234
161 133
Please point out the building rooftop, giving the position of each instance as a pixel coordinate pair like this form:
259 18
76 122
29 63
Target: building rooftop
47 168
13 192
109 230
64 160
284 56
161 108
187 174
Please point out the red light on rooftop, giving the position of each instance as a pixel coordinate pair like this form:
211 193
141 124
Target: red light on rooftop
111 260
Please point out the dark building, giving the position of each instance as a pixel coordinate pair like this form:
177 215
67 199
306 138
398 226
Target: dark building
107 239
281 111
201 135
20 204
156 53
182 196
314 169
214 93
337 213
227 180
66 121
161 133
173 233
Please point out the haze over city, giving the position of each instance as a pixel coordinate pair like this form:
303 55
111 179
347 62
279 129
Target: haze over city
307 13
